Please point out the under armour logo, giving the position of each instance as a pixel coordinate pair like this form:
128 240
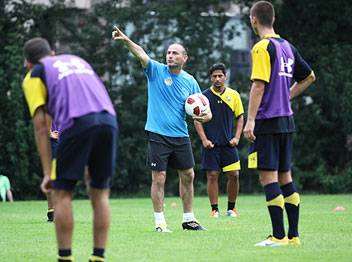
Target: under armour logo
219 101
65 66
74 66
153 164
286 68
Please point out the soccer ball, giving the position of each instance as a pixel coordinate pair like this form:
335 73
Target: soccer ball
196 104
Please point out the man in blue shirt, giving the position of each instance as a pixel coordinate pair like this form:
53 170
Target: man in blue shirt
169 143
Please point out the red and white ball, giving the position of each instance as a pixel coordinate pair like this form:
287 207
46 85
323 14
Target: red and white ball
196 104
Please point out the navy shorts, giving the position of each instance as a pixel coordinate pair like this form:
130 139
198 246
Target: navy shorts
54 144
271 152
221 158
164 151
94 147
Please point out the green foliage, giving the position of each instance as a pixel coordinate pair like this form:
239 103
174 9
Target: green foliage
323 143
17 158
153 30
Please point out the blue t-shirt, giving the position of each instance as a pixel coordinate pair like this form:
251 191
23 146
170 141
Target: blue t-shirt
167 94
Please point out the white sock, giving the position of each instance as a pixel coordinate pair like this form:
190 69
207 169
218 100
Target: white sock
159 218
188 217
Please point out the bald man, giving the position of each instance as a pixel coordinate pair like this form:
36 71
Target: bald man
168 144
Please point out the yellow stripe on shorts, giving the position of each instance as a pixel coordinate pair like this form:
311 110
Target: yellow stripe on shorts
234 166
253 160
53 170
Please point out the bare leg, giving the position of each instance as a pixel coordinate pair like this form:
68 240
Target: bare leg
268 177
180 193
186 178
157 190
233 185
87 180
213 186
50 200
285 178
9 195
50 212
63 218
101 216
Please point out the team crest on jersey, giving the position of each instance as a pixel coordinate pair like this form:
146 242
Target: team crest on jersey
228 98
168 81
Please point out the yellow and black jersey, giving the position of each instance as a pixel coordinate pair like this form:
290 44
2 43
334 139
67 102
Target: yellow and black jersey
277 63
263 59
225 107
34 88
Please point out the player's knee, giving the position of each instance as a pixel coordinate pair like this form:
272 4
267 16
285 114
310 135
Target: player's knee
233 175
159 178
62 195
266 178
187 176
285 177
212 178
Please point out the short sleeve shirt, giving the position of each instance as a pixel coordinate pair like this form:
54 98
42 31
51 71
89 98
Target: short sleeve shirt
167 94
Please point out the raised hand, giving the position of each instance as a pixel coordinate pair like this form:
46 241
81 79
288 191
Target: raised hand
117 34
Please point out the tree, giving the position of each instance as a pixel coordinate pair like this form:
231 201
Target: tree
322 157
17 160
323 146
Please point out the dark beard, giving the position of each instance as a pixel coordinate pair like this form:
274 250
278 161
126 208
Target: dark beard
175 67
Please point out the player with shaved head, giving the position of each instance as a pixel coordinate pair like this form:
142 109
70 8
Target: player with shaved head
169 144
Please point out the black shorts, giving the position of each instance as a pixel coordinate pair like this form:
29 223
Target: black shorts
94 147
164 151
54 144
221 158
272 152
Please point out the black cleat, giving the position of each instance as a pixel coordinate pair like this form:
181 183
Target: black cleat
192 225
96 259
50 215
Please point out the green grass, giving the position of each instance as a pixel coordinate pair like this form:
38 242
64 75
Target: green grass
326 235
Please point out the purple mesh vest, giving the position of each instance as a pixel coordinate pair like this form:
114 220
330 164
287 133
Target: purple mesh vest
276 98
74 90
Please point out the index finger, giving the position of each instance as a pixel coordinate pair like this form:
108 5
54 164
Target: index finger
115 28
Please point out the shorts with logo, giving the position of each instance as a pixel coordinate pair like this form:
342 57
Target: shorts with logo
271 152
221 158
164 151
91 142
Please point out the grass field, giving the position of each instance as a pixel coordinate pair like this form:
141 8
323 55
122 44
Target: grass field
326 235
